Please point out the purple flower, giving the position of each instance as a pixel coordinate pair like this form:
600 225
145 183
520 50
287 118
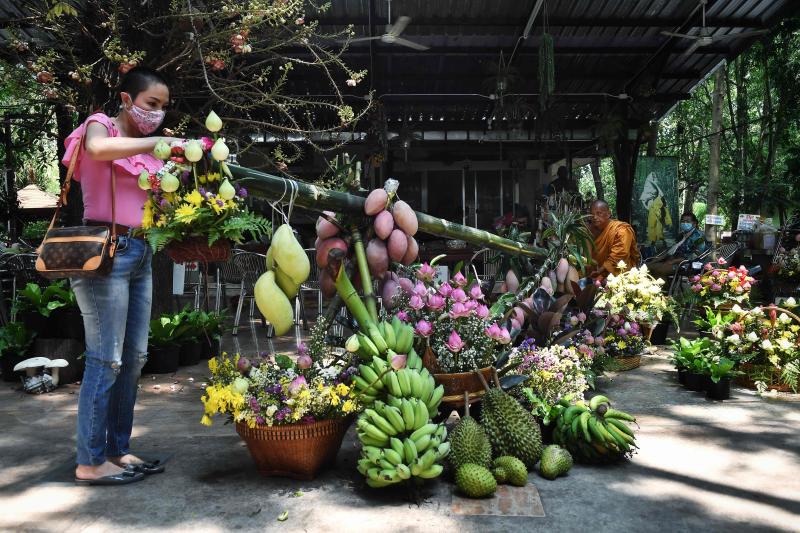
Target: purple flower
459 279
426 272
302 349
424 328
582 317
260 420
220 203
622 333
435 302
304 361
416 303
476 292
459 310
254 404
560 376
164 204
459 295
402 315
445 290
297 383
202 191
242 193
454 342
482 311
308 419
716 287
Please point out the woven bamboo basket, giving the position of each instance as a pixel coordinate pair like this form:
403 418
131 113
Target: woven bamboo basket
297 451
745 380
196 249
627 363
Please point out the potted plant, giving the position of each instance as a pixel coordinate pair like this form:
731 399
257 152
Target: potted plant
684 353
720 372
188 334
192 209
38 308
211 325
453 330
15 340
697 371
163 351
721 286
292 414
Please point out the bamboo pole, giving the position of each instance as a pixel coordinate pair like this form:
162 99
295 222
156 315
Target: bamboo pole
313 197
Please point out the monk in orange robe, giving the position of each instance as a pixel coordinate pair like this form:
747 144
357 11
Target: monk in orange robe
614 241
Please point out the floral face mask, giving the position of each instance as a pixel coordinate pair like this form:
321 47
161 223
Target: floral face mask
146 121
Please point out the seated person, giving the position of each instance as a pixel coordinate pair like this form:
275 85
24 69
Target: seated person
614 241
691 244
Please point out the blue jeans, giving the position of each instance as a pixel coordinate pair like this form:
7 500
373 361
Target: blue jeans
116 317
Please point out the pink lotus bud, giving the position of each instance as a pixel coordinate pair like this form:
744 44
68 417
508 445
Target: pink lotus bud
493 331
573 320
454 342
402 316
399 361
505 336
416 303
297 383
695 278
471 305
304 361
721 261
426 272
446 290
515 324
420 289
244 365
459 279
482 312
424 328
459 295
459 310
589 340
435 302
581 317
599 341
476 292
622 333
407 285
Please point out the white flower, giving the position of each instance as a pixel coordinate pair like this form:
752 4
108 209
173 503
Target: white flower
785 345
767 345
752 337
737 309
271 410
734 339
790 301
784 318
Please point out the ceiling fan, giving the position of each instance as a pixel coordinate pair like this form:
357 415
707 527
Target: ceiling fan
393 32
705 38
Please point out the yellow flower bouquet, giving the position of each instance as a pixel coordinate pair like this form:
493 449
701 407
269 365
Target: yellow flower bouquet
636 295
190 197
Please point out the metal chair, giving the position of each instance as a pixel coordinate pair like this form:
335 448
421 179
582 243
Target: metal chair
311 285
250 266
489 266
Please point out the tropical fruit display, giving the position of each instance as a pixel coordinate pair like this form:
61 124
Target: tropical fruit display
475 481
511 429
469 443
287 268
508 469
594 432
556 461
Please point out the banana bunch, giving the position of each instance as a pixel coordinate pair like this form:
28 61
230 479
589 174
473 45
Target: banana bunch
594 433
399 440
385 337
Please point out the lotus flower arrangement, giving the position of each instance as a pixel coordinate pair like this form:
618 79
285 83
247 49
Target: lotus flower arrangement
278 391
636 294
191 195
450 318
719 284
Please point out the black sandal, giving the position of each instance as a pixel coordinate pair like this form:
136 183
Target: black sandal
147 468
123 478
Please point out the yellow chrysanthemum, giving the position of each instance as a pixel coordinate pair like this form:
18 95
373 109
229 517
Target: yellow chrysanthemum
212 176
194 198
186 213
348 406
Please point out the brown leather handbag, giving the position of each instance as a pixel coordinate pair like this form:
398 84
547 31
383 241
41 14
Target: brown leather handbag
78 251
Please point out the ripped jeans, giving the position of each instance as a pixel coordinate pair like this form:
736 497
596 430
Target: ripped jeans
116 317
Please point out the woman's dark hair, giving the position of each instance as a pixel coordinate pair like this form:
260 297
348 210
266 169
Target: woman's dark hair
139 79
690 215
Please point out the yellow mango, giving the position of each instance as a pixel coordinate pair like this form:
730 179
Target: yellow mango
270 259
273 304
286 284
289 254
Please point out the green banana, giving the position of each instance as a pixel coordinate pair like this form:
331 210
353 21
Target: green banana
593 429
620 438
421 415
435 399
370 376
407 408
405 382
443 450
397 445
571 412
613 413
377 339
385 465
423 443
416 384
432 472
608 437
367 345
394 401
379 365
622 426
373 453
390 474
372 431
595 402
388 335
364 465
395 418
403 471
378 483
411 453
413 360
373 474
427 429
380 422
427 459
583 421
392 456
574 426
371 441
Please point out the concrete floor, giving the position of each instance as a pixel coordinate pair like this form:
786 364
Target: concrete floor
703 466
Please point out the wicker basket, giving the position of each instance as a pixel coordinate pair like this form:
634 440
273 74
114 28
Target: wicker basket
297 451
746 381
630 362
455 384
196 249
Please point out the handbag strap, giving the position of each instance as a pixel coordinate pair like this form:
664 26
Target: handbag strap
62 199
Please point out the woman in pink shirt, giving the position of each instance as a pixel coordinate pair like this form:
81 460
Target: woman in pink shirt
116 307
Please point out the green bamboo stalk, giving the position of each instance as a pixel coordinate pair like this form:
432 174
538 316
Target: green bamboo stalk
348 293
363 270
313 197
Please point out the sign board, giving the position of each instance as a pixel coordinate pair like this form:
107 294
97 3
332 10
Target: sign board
747 222
715 220
654 212
178 278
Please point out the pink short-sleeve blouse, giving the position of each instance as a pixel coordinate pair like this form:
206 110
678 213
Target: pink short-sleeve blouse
95 178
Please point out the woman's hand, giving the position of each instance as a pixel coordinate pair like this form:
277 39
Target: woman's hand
102 147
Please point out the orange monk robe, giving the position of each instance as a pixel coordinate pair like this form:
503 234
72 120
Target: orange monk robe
616 243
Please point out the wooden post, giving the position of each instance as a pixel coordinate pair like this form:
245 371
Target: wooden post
714 151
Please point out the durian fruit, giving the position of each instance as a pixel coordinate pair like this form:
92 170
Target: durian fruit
556 461
511 429
475 481
515 472
500 474
468 442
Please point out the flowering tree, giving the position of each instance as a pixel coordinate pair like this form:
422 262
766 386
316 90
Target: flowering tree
239 58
